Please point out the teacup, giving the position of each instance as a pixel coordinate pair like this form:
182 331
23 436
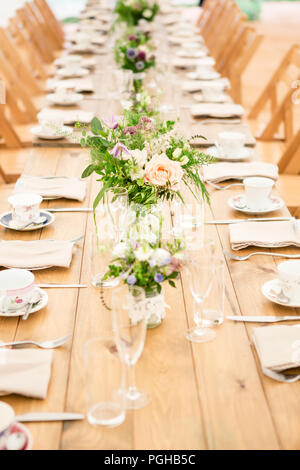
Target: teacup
7 417
231 143
289 277
25 207
257 192
16 288
50 126
71 68
212 92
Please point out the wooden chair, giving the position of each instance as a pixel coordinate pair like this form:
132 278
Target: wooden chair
44 25
243 50
51 20
287 73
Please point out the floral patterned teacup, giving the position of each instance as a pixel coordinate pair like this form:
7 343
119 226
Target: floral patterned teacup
25 207
7 417
16 287
289 276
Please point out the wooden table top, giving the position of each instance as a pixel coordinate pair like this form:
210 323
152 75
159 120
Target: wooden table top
204 396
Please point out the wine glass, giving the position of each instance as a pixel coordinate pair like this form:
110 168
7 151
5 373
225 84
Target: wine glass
200 271
129 325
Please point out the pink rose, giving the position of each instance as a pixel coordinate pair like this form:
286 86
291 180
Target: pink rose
161 170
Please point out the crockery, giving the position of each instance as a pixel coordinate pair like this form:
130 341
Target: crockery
25 207
67 99
44 220
61 133
217 152
273 291
40 304
289 276
239 203
232 143
257 192
16 287
7 417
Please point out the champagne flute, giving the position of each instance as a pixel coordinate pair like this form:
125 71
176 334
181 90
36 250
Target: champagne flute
129 325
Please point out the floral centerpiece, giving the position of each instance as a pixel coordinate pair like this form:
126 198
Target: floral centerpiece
143 260
133 11
136 54
140 154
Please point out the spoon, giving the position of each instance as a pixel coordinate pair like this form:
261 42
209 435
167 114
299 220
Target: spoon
38 221
34 299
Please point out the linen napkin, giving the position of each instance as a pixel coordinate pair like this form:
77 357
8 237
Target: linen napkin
276 234
191 86
69 117
278 346
217 110
80 85
183 63
69 188
35 254
25 372
217 172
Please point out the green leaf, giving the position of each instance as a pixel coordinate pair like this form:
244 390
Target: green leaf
172 283
96 126
88 171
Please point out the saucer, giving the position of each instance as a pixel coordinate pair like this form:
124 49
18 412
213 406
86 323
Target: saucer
62 133
222 98
244 154
273 292
81 72
192 54
205 75
20 428
35 308
70 100
239 203
6 222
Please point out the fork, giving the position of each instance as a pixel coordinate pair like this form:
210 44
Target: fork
244 258
222 188
56 343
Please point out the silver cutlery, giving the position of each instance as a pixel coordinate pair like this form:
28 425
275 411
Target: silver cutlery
223 188
281 376
62 286
262 319
71 209
40 221
51 344
34 300
237 221
244 258
78 239
36 417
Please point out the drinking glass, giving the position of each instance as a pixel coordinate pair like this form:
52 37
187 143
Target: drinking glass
105 377
114 212
213 305
101 248
129 325
200 270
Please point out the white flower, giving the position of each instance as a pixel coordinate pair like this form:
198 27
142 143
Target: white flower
143 253
136 173
160 257
177 152
120 250
184 160
139 156
147 13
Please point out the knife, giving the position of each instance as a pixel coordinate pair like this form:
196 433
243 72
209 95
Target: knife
236 221
35 417
263 319
65 286
71 209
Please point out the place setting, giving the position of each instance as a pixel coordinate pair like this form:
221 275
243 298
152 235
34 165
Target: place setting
51 128
204 73
230 146
64 118
64 96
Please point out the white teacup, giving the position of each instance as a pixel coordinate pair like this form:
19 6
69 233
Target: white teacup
289 276
7 418
16 287
25 207
212 92
231 143
50 126
71 68
257 192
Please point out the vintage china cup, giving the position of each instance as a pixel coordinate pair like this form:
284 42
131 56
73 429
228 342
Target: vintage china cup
7 417
257 192
25 207
232 143
16 287
212 92
50 126
289 278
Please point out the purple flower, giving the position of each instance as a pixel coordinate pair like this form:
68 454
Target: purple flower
140 65
141 55
118 149
131 280
112 123
131 53
158 277
132 37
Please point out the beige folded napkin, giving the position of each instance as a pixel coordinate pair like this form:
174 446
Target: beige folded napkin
218 172
69 117
264 234
278 346
191 86
183 63
25 372
35 254
79 84
69 188
217 110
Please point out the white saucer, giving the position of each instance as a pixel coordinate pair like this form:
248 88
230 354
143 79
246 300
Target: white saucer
73 98
6 222
81 72
205 75
273 292
222 98
36 308
239 203
62 133
193 54
244 154
65 60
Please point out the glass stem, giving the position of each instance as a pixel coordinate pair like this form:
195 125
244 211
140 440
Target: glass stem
131 380
198 314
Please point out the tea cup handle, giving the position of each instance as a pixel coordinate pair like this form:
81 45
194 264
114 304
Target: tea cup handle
4 301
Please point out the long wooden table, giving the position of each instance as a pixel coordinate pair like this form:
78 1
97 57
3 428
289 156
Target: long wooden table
204 396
